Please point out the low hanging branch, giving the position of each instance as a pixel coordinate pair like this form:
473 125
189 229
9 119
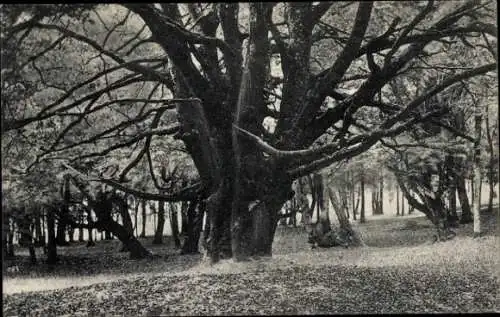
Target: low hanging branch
187 193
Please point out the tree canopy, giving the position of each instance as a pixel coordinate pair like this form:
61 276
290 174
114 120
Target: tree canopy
255 94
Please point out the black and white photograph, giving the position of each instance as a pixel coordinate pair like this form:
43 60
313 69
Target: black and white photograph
250 158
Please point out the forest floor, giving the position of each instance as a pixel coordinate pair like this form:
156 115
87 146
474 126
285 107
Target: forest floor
399 270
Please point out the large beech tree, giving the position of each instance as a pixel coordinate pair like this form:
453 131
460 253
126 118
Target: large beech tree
216 60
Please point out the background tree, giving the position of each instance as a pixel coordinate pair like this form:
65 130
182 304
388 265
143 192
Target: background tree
239 118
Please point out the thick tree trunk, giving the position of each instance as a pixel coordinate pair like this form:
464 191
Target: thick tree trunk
195 214
158 239
264 222
103 206
136 249
345 225
52 242
174 225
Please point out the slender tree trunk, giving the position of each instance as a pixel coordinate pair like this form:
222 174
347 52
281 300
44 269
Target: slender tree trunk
184 218
126 220
90 242
158 239
397 201
136 216
491 195
144 216
452 213
362 190
452 193
40 238
354 208
374 202
80 230
52 242
381 195
71 234
108 235
462 196
153 212
402 204
26 236
476 203
5 234
491 164
10 239
472 187
61 228
174 225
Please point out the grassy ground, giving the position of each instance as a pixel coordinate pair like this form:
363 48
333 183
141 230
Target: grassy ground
399 270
